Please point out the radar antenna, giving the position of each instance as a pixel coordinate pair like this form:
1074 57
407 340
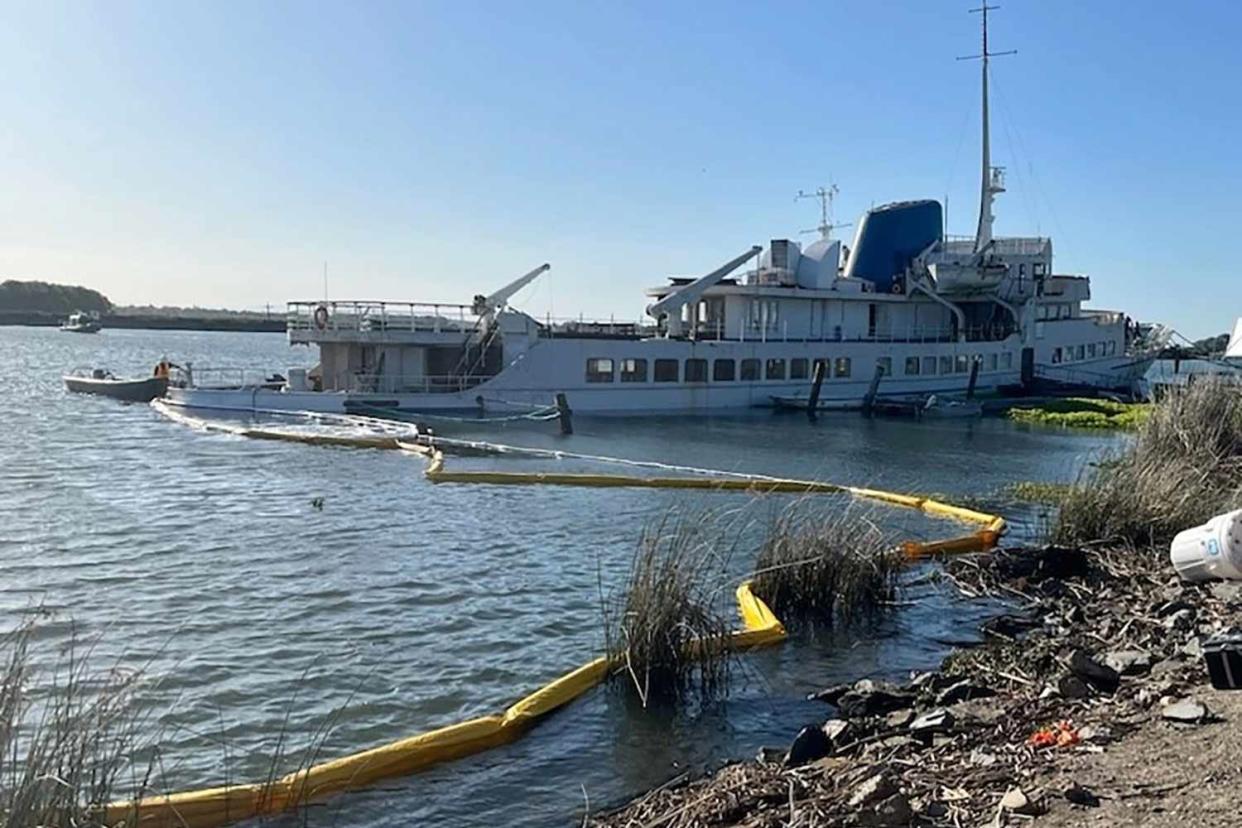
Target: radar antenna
825 196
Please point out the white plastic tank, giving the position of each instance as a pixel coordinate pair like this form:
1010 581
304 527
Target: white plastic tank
1213 550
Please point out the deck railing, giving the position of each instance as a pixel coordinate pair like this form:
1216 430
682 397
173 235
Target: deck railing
357 382
378 317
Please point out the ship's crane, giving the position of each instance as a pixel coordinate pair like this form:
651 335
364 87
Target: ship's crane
491 304
672 304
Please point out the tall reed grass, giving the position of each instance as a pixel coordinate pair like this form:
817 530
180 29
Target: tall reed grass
666 629
826 569
67 736
1183 466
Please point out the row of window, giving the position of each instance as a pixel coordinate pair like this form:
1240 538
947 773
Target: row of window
1055 310
604 369
1090 350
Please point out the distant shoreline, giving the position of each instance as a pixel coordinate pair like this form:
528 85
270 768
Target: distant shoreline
237 324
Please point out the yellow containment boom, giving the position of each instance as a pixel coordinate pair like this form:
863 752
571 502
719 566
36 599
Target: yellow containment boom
979 541
212 807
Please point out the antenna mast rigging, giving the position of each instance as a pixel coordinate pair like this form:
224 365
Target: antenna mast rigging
993 178
825 196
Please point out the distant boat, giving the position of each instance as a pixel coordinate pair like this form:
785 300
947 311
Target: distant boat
102 383
947 408
81 323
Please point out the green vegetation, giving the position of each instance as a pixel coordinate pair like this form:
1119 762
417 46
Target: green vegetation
43 297
1081 412
1032 491
823 570
1183 467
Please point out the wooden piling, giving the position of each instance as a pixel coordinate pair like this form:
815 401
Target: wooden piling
869 400
565 415
821 367
974 377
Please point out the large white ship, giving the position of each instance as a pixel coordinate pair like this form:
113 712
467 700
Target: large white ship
924 311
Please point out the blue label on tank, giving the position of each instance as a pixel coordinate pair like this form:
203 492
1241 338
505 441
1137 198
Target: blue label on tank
1213 548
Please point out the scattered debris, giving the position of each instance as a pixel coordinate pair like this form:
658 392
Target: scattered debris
964 690
1078 795
1094 674
1015 801
1129 662
871 698
1185 712
880 786
810 744
1096 660
1061 734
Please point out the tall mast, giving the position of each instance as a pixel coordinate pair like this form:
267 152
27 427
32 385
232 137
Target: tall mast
992 179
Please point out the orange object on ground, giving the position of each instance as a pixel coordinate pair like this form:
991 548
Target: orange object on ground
1061 734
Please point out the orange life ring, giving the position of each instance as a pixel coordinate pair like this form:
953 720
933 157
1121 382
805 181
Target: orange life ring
321 317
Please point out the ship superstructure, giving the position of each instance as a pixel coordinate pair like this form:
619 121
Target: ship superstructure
905 304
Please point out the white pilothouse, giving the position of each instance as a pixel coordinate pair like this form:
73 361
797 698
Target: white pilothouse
923 310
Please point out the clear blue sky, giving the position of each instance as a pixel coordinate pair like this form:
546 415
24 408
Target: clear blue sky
218 153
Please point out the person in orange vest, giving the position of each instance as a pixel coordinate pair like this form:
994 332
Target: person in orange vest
162 368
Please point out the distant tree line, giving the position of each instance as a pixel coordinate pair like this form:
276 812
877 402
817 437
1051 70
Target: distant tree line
44 297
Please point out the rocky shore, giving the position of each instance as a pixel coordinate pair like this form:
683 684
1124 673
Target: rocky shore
1089 704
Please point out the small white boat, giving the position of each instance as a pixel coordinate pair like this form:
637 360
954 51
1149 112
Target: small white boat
81 323
946 408
103 383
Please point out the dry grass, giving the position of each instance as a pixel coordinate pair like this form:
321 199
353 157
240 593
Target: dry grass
67 735
1183 467
828 570
666 628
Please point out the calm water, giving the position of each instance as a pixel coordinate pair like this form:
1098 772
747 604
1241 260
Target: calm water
403 606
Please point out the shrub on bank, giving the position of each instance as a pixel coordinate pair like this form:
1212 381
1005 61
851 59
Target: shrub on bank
1183 467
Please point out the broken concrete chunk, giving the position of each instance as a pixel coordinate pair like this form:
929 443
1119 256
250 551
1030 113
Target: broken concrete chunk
837 731
899 718
1186 711
1129 662
1228 591
1015 801
875 788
